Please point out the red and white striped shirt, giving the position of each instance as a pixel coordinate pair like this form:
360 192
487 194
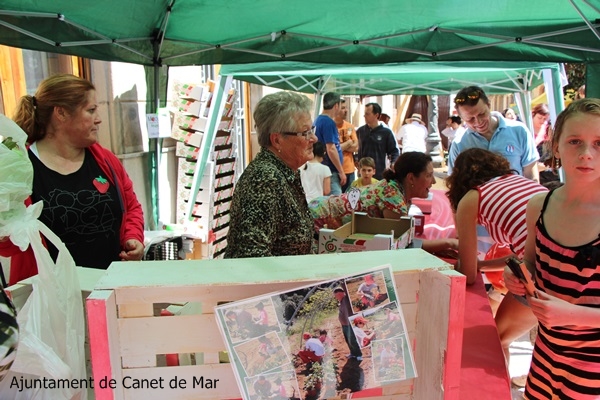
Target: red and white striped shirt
502 209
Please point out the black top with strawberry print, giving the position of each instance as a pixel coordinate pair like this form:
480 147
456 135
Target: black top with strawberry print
83 209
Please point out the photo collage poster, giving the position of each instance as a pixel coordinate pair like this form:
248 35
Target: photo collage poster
323 340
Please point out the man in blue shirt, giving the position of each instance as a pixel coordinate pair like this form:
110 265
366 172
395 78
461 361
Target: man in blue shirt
489 130
327 133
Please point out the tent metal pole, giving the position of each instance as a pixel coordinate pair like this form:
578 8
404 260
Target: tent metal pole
553 92
594 31
157 145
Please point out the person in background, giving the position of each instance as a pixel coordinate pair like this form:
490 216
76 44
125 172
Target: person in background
562 252
262 319
269 214
366 166
484 190
363 335
580 93
366 291
88 198
316 177
453 128
412 176
413 134
384 120
262 387
542 129
265 347
325 339
280 393
387 356
490 131
540 115
376 141
313 350
344 312
348 143
390 316
327 133
509 113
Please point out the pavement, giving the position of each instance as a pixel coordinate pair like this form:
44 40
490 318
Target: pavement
520 359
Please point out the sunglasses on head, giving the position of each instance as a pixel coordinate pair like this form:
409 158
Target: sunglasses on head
468 96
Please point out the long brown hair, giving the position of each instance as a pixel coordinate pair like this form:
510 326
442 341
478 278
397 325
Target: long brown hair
472 168
33 113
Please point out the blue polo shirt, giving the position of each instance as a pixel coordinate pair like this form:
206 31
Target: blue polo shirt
511 139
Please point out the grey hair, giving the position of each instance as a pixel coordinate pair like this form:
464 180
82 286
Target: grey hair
279 112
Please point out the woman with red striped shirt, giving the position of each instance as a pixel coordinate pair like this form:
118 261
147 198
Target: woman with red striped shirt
484 190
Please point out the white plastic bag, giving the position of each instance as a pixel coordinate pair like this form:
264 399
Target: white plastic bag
16 172
51 325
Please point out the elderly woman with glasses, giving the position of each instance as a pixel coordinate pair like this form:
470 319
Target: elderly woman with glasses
269 215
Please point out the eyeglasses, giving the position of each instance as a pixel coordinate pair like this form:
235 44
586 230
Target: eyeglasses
470 97
306 134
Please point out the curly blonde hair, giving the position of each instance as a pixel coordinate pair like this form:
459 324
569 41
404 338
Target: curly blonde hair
472 168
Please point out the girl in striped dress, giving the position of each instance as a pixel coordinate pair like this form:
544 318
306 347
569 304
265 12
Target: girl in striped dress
484 190
563 251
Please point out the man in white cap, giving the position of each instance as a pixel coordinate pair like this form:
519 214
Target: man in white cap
413 134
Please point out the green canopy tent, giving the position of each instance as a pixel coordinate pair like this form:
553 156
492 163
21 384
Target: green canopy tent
242 31
188 32
399 78
417 78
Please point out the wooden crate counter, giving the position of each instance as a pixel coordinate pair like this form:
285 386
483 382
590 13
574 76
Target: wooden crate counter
126 337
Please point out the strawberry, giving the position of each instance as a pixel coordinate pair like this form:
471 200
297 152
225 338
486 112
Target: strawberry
101 184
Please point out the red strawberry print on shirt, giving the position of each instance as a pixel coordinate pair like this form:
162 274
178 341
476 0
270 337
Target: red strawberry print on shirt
101 184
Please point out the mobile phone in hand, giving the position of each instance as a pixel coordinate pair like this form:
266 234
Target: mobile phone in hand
519 269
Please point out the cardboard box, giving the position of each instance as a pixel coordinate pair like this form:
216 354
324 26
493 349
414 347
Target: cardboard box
364 233
189 91
188 107
190 122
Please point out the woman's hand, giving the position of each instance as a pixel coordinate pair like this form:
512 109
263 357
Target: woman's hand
440 245
552 311
513 284
134 251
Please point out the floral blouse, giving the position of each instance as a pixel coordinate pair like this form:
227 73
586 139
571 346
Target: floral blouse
335 211
269 215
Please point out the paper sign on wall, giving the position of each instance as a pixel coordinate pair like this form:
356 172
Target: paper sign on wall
159 124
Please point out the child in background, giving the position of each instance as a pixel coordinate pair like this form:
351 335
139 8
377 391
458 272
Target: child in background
316 177
562 251
325 339
366 166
